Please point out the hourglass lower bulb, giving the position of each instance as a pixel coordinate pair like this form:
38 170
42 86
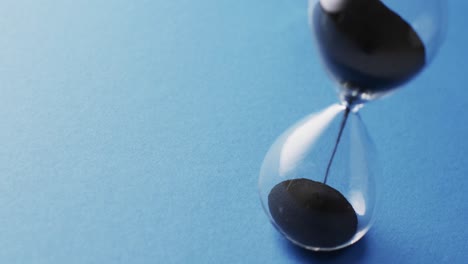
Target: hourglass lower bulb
318 193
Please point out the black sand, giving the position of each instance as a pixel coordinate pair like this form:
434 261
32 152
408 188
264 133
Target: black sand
312 213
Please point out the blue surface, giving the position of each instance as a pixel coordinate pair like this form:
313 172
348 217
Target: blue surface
133 132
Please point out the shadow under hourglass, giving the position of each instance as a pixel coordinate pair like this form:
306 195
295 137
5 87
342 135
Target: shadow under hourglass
350 255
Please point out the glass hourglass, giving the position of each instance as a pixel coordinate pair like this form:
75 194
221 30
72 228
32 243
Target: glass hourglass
317 179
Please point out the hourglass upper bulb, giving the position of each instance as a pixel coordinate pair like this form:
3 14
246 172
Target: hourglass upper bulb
371 47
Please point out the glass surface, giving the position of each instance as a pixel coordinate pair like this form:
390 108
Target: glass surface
317 180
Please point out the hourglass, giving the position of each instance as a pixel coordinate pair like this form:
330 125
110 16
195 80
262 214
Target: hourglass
317 179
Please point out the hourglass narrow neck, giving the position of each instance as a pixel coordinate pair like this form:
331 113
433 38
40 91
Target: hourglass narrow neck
353 101
338 138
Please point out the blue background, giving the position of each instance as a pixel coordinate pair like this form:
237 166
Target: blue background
133 132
